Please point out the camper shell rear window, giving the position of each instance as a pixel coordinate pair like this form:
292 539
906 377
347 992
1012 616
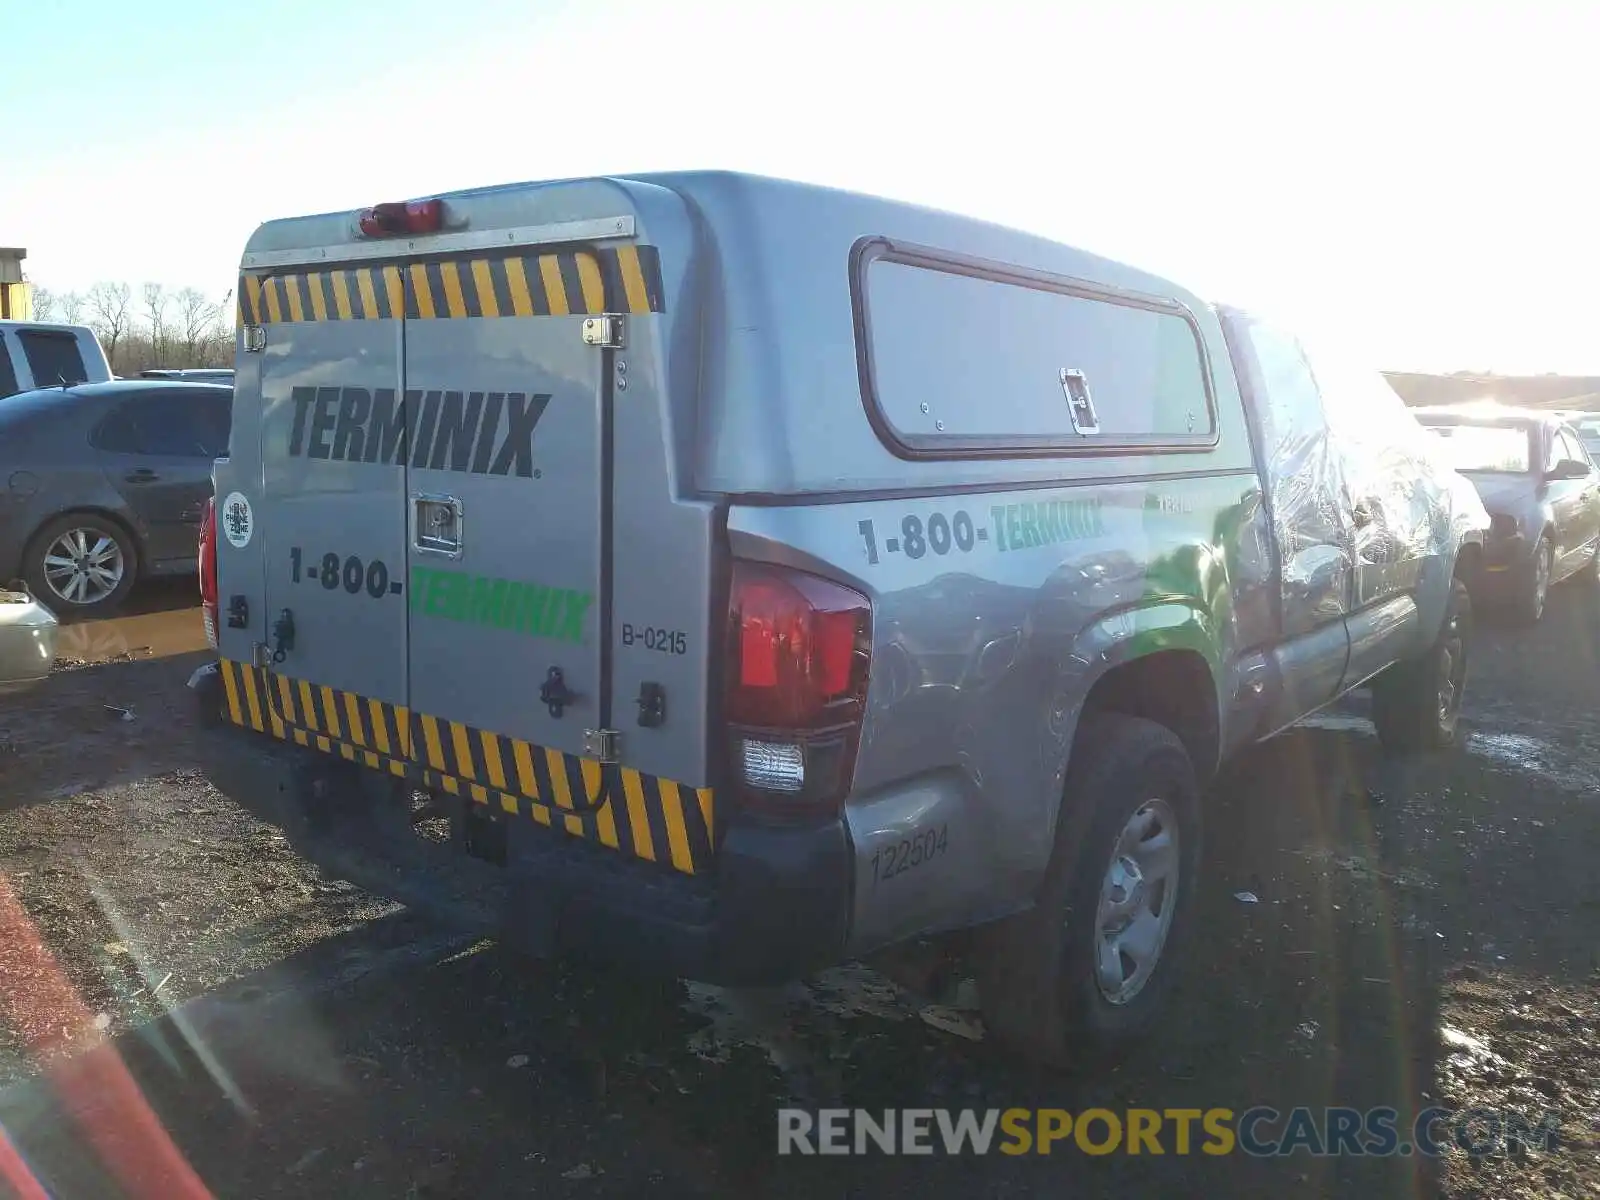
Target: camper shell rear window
960 357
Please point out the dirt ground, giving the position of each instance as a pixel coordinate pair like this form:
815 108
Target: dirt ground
1414 934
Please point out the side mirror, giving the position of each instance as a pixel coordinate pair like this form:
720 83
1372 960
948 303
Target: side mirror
1568 468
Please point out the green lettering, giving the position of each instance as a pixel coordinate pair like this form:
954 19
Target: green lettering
998 511
528 608
552 612
1014 528
1030 526
419 586
505 616
457 589
487 597
439 593
1050 522
572 618
531 606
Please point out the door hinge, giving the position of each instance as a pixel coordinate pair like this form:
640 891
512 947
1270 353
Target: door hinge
604 331
255 339
604 745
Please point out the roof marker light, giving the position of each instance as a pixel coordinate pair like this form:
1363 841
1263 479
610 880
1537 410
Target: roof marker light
392 220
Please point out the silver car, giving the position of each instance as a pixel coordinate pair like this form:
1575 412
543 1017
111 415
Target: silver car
27 641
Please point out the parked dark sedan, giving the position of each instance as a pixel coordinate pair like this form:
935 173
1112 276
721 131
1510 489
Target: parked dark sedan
103 483
1542 492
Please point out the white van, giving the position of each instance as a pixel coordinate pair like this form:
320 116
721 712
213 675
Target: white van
35 355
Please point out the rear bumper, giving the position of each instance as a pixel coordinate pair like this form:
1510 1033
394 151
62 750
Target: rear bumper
27 643
775 908
1503 569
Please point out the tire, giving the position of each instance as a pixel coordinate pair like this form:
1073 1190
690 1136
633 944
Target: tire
108 555
1410 707
1038 985
1528 606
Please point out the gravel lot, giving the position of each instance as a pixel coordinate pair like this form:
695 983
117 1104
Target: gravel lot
1422 933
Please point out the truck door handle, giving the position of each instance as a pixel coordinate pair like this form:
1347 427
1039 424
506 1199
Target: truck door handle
141 475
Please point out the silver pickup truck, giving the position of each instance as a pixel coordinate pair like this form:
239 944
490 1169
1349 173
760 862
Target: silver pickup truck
750 576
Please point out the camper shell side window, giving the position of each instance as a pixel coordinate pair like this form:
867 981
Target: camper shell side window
965 358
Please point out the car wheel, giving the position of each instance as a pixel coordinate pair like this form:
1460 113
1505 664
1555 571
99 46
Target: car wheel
1417 705
1078 979
1529 605
81 564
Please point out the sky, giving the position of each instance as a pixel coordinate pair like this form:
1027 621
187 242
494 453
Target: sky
1415 180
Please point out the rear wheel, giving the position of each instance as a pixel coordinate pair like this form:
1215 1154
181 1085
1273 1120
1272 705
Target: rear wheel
1528 606
1078 979
1417 705
81 564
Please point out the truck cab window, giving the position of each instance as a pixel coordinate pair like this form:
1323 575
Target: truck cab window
1573 451
1293 405
8 376
53 357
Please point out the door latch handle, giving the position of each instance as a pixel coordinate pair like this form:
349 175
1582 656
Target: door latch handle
282 636
1080 404
554 693
141 475
652 702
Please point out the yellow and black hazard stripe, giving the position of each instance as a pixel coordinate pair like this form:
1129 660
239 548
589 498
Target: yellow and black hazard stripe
622 809
623 279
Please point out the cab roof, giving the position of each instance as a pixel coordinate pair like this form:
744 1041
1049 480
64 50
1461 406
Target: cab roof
46 326
1489 414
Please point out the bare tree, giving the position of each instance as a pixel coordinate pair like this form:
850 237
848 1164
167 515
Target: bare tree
69 306
44 304
198 318
155 311
108 310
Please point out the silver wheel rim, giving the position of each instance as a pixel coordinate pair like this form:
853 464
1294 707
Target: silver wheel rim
84 566
1138 897
1452 670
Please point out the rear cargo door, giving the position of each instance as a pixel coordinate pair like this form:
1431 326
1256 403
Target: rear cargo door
503 517
333 499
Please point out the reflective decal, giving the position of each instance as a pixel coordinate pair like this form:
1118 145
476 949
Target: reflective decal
238 522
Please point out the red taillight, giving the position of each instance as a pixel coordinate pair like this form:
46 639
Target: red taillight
392 220
208 569
799 651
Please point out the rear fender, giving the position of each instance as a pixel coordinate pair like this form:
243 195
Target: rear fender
1112 640
1122 637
